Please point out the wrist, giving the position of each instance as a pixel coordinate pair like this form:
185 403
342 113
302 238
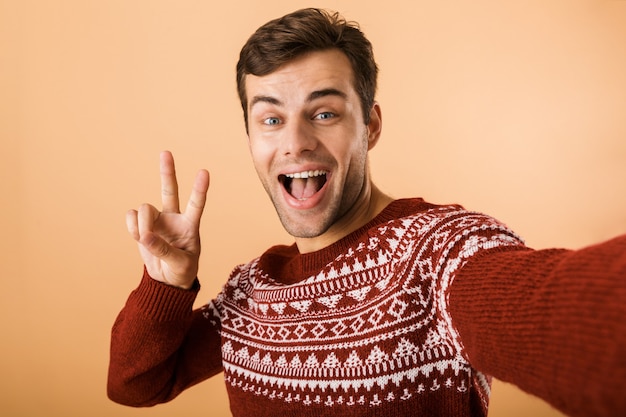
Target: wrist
164 302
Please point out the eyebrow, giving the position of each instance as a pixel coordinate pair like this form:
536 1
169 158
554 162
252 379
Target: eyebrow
327 92
313 96
265 99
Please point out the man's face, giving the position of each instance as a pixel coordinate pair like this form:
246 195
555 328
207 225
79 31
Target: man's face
309 142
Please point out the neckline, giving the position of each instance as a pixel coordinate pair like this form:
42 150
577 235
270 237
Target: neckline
286 265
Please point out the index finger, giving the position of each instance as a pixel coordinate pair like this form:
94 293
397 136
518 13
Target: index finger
197 200
169 185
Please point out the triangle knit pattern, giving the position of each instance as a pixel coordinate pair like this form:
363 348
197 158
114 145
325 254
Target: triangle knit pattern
370 329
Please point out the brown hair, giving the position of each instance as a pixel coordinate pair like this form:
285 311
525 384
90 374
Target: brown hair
306 30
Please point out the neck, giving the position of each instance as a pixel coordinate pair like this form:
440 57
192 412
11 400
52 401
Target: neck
368 206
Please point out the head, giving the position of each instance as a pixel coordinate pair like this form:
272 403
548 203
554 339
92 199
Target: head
307 30
307 84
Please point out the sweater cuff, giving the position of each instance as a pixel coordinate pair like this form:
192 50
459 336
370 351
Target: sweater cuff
162 302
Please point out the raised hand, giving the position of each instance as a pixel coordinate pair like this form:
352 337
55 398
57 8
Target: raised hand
169 241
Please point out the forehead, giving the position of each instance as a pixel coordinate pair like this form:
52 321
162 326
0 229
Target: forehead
303 75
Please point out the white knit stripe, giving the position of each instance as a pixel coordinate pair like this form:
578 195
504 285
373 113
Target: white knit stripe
326 382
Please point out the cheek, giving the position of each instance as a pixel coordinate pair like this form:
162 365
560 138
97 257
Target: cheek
355 151
261 156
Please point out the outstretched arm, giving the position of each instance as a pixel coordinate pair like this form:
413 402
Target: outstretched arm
551 322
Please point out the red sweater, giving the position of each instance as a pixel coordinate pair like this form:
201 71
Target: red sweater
409 315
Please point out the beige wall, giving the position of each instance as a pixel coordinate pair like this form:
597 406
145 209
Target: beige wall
513 109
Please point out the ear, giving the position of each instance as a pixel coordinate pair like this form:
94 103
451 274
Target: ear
375 126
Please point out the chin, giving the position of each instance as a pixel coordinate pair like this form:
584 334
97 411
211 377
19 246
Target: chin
304 228
304 232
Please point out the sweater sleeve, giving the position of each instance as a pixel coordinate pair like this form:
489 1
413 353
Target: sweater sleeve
552 322
160 346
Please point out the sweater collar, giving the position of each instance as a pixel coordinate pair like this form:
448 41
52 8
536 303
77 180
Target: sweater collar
286 265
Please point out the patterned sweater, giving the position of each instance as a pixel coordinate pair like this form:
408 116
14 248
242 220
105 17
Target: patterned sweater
410 315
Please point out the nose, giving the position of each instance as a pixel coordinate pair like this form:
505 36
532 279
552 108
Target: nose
298 137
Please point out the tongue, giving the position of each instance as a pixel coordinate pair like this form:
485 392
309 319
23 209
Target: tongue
303 188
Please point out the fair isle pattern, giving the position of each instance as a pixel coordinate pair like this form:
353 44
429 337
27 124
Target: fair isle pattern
371 328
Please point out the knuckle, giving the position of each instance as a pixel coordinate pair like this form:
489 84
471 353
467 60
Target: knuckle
146 208
168 191
196 204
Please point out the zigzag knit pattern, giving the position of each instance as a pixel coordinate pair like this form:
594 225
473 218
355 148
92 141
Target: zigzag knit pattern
368 333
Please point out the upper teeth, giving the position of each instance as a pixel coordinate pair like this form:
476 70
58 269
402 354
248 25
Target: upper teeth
306 174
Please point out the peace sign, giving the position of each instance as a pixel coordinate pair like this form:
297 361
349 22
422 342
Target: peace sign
169 241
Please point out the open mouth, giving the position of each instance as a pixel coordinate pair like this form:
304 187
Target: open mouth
303 185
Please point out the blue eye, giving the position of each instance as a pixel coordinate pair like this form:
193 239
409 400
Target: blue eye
271 121
324 115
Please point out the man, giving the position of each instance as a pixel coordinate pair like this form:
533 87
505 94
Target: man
380 307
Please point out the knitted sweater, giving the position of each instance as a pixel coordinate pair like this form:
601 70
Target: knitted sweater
410 315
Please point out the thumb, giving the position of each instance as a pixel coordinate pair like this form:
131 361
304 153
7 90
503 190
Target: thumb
177 267
159 248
